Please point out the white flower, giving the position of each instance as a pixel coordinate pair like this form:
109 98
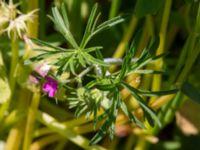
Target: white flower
19 25
12 20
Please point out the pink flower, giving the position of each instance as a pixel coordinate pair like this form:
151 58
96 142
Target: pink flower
50 86
42 69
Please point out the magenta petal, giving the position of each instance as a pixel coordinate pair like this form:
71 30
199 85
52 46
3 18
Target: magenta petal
52 93
50 86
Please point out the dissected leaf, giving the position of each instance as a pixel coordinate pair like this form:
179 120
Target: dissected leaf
129 55
62 27
130 115
93 60
144 106
89 26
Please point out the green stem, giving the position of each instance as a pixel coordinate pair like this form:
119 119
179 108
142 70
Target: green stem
61 129
32 32
55 111
187 17
30 120
33 25
15 136
147 78
130 142
61 145
14 61
169 110
172 107
150 26
157 79
44 141
114 8
16 133
12 75
5 92
189 63
41 132
143 40
114 143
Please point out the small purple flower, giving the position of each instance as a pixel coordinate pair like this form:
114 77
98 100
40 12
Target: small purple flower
50 86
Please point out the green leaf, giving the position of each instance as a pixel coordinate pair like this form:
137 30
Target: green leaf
80 111
156 93
154 45
5 91
147 7
100 134
143 60
129 55
109 124
190 91
81 60
100 57
101 117
130 115
43 43
62 27
135 42
108 24
93 60
104 26
72 66
89 26
91 49
146 71
106 87
38 57
65 17
144 106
